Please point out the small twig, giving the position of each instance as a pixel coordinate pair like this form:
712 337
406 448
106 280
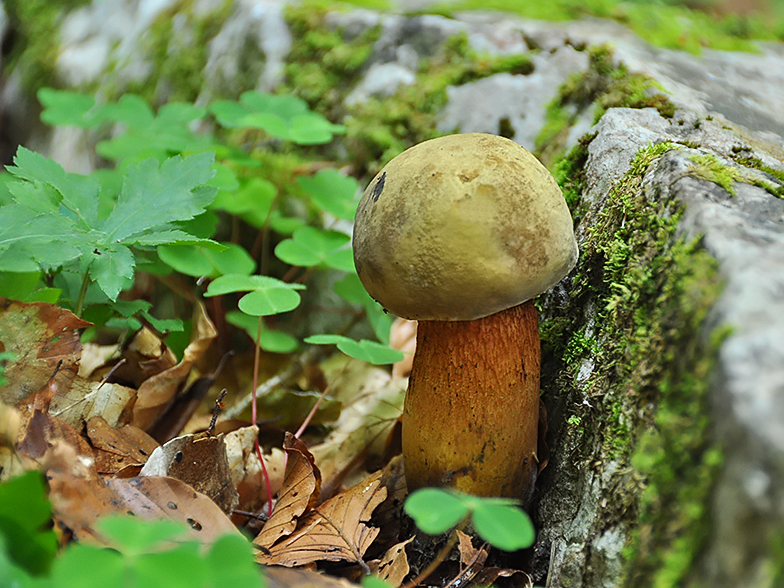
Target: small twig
253 515
433 565
110 373
216 410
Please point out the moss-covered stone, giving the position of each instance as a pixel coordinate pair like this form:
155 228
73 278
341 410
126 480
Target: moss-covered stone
602 86
177 46
644 408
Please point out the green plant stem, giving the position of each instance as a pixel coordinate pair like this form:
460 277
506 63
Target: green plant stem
82 294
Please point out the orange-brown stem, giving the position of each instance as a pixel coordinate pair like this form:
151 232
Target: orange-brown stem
472 409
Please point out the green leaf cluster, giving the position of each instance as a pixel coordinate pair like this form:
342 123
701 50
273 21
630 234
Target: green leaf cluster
182 175
496 520
52 219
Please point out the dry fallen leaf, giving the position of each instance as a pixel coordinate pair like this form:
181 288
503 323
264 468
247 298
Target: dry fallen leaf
158 392
79 496
338 530
85 399
393 565
145 357
371 407
40 336
246 472
40 431
126 449
299 494
279 577
199 461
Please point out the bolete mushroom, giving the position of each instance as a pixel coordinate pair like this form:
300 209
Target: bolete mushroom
461 233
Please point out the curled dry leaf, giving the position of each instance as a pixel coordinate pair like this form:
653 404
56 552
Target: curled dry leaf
393 566
145 357
79 496
200 461
299 494
123 450
338 530
40 336
157 393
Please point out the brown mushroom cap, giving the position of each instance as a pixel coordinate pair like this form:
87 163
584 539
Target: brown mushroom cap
462 227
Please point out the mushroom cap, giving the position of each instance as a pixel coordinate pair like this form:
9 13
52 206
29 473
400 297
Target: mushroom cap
462 227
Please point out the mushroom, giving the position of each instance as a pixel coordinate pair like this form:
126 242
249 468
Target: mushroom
461 233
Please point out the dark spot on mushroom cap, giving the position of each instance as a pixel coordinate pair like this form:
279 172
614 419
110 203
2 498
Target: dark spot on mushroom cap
379 187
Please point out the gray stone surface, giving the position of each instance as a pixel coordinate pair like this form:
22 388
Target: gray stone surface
520 100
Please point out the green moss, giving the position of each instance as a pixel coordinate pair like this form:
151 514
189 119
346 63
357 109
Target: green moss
651 292
776 185
603 85
708 167
35 24
660 23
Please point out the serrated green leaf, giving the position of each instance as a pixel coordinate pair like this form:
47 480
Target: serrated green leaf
79 194
18 285
269 301
112 269
128 308
332 192
435 511
171 191
28 239
503 526
164 325
67 108
309 246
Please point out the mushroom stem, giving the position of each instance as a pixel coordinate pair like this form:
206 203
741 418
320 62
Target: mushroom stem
471 413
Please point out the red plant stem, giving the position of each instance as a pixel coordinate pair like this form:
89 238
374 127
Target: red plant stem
253 411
